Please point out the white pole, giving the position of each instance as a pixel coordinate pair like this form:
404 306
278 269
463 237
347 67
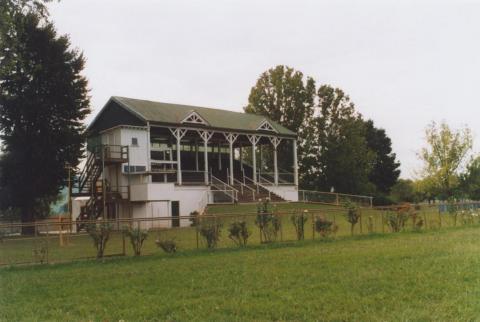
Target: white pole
254 161
205 156
295 163
196 154
275 164
241 157
179 163
230 143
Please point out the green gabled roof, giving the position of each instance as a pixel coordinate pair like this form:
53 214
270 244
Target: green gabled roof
166 113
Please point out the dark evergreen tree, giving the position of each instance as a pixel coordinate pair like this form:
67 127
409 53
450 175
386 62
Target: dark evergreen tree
342 159
385 168
43 101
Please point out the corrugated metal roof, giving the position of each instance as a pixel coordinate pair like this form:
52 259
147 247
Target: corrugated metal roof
157 112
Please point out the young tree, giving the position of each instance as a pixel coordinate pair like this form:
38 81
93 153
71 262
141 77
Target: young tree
385 170
43 101
444 156
285 96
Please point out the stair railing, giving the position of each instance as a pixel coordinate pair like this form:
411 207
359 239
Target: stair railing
223 186
242 186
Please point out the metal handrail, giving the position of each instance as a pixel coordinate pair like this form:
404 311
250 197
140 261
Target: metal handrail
242 185
225 185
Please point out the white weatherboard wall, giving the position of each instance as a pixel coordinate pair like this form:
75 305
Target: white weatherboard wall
157 199
138 154
289 193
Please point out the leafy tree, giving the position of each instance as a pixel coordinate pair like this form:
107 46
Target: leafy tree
403 191
444 156
341 159
385 169
470 180
43 101
285 96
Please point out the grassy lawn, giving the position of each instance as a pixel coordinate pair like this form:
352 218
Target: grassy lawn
15 250
433 275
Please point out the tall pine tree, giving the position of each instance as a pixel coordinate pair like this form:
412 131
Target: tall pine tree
43 101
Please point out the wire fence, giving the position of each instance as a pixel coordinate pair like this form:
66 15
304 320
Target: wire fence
64 241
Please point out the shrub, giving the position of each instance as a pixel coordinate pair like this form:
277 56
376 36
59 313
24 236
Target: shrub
40 252
299 220
268 223
238 232
194 220
324 227
167 245
137 237
396 220
211 232
352 215
100 234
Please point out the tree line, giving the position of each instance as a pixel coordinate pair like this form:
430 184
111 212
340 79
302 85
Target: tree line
338 149
450 169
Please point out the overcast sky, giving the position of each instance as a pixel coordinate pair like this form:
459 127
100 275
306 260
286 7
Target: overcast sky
403 64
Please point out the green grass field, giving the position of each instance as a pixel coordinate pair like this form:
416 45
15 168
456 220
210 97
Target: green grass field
433 275
17 250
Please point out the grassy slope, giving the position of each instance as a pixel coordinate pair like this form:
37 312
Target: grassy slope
406 276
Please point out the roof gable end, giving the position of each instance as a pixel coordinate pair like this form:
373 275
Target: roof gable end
194 118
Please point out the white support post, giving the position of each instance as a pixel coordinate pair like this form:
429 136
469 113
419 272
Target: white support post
231 137
275 142
196 155
149 154
219 157
254 140
241 157
295 163
178 134
206 136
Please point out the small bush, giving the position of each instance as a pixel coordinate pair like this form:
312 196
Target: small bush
194 220
169 246
352 215
396 220
40 252
268 223
100 234
137 237
211 232
324 227
298 221
238 232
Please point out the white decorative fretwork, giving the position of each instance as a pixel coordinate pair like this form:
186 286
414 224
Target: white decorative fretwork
266 126
194 118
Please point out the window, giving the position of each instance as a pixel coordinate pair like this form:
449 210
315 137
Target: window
134 142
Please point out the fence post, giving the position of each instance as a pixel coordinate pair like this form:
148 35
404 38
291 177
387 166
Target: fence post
361 223
425 218
281 227
337 199
383 223
123 243
334 224
313 226
48 237
439 218
197 223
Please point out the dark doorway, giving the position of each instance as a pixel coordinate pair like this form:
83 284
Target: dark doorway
175 213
